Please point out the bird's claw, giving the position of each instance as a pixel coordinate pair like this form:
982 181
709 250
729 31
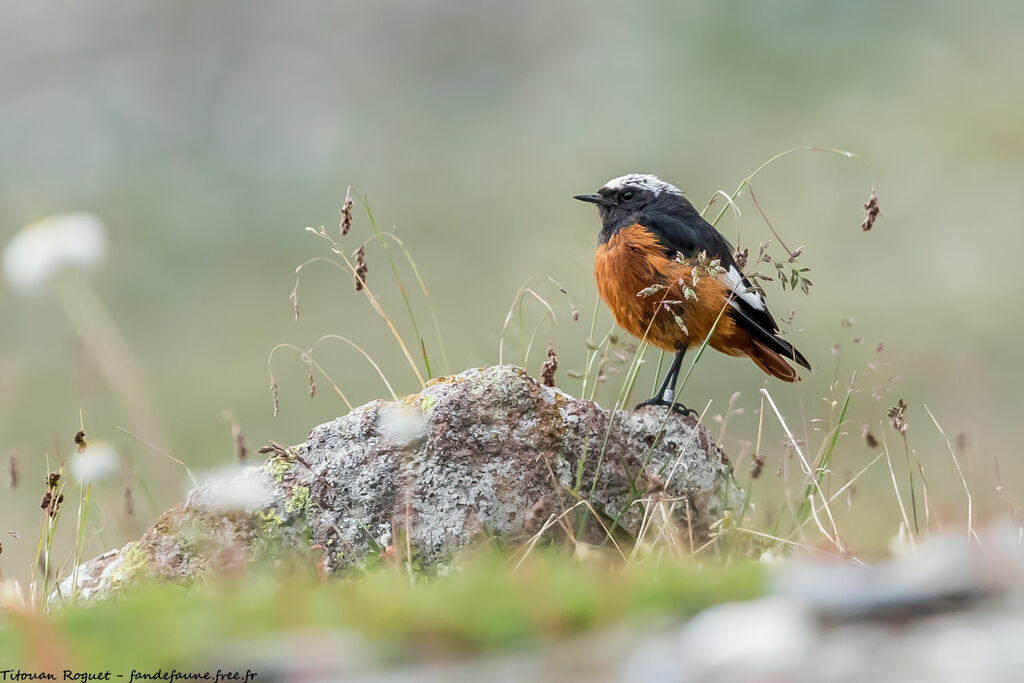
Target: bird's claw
677 408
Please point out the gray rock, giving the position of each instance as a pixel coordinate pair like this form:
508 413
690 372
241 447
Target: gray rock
486 453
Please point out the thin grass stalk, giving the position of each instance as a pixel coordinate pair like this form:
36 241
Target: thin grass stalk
386 318
807 469
83 515
590 352
533 337
963 479
657 372
426 296
746 181
825 460
924 493
162 452
850 483
306 358
370 360
593 355
642 350
757 451
910 476
401 286
896 489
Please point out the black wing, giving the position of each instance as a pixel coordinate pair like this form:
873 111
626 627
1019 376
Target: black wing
682 230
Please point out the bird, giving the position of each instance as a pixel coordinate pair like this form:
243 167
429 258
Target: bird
671 279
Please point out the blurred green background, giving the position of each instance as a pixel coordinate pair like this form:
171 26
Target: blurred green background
208 136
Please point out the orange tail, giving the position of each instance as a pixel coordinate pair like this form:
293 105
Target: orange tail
772 363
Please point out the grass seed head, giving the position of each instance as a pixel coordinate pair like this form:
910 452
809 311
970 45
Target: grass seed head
757 467
547 370
869 439
896 416
346 213
360 280
740 257
871 212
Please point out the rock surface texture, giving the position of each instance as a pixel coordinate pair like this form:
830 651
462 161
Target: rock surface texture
489 453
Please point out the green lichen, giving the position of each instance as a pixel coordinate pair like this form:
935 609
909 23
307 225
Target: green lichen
277 468
298 501
427 404
132 564
272 522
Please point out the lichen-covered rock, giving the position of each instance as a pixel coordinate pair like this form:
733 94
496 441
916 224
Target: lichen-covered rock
486 453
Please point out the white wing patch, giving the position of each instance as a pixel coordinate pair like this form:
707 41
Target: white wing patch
733 278
643 181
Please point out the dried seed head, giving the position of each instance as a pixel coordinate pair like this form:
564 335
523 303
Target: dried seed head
963 442
871 211
55 505
274 396
346 213
129 503
80 440
655 486
52 498
869 439
294 298
12 473
540 511
360 279
275 448
547 370
740 257
241 450
312 383
757 467
896 419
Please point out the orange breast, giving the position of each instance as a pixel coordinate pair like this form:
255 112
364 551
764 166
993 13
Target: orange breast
634 260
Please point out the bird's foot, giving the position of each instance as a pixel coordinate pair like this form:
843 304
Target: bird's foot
676 407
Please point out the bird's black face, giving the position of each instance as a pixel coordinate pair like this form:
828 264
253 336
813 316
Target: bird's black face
622 200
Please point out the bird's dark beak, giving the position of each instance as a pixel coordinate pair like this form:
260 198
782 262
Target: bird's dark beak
592 198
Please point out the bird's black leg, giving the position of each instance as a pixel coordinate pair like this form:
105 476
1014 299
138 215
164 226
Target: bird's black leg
666 393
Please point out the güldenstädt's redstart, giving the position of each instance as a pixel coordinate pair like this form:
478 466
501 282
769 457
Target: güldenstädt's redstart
653 245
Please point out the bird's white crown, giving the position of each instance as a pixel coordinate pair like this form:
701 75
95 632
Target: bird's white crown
644 181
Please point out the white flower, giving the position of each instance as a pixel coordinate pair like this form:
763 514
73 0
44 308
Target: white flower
234 488
95 463
401 425
41 249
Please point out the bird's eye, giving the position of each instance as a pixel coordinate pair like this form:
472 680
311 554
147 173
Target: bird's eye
627 195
